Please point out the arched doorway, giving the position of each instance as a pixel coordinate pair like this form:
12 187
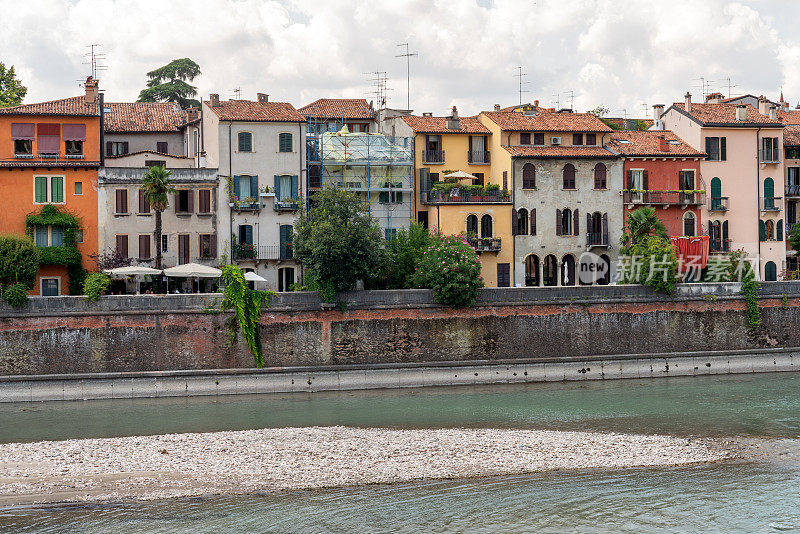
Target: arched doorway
605 279
550 271
486 226
568 270
770 272
472 225
532 271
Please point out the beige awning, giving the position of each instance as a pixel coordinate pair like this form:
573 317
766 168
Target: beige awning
192 270
132 270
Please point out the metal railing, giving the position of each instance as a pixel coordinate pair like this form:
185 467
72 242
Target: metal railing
792 190
664 198
444 197
245 251
719 245
718 204
241 205
286 205
769 156
770 203
484 244
480 157
433 156
597 239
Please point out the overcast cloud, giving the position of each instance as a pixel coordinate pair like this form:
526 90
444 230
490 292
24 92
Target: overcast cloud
623 54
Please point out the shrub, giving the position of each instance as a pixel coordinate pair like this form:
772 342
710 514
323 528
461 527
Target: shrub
19 261
16 295
452 269
403 254
95 285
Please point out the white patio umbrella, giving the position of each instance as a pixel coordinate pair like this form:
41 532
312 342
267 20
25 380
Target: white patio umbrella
250 276
132 270
460 175
192 270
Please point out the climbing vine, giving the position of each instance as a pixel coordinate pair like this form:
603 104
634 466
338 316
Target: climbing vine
66 254
246 304
750 289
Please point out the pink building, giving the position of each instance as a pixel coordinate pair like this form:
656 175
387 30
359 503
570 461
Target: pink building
744 171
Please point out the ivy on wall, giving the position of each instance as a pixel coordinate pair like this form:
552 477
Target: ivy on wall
66 254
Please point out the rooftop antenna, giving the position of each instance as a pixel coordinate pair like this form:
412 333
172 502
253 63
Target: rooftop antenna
646 109
705 85
95 59
730 85
557 101
571 97
408 55
380 83
237 93
521 75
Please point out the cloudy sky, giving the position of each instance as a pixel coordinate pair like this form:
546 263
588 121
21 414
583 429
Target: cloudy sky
624 54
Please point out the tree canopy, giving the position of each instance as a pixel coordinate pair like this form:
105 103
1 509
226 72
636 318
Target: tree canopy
170 83
11 89
19 261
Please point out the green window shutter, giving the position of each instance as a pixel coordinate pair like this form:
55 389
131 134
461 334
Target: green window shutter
235 186
254 186
725 230
398 196
40 189
769 188
295 187
716 187
779 230
285 236
285 142
762 230
723 151
245 142
277 187
57 189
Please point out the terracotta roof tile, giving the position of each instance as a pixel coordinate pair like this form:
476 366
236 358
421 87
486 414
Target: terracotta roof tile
424 124
789 116
547 121
143 117
336 108
75 106
724 114
645 143
49 163
251 111
532 151
791 135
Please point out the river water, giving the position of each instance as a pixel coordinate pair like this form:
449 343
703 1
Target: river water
752 497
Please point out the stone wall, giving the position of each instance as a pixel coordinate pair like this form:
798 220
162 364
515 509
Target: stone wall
157 333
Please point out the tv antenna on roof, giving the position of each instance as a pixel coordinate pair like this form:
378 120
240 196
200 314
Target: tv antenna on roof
95 59
520 75
730 85
571 96
557 101
408 55
237 93
380 83
705 86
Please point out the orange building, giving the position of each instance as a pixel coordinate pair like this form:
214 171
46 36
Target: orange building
49 157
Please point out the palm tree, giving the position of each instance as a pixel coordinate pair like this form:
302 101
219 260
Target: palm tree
642 222
157 188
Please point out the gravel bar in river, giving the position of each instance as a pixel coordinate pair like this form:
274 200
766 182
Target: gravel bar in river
250 461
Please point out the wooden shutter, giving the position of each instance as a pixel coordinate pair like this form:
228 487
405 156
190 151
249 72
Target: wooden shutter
558 222
285 236
212 239
629 179
725 230
645 181
589 227
503 275
122 245
723 149
109 148
277 184
716 187
575 223
235 187
190 203
533 221
762 231
708 148
144 247
161 147
177 196
779 230
605 226
295 187
121 200
254 187
505 180
424 180
124 147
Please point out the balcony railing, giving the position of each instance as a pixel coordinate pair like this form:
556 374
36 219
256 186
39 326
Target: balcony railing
664 198
433 156
244 251
719 245
597 239
792 190
246 205
770 203
484 244
478 157
287 204
446 197
718 204
769 156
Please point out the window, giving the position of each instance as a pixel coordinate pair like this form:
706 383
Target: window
246 234
56 236
245 142
50 287
116 148
564 222
73 148
204 201
22 134
184 200
78 188
183 249
42 236
144 247
770 272
769 149
503 275
195 148
525 138
208 246
144 204
793 176
286 187
591 139
50 236
285 278
285 142
577 139
23 147
792 153
155 163
79 235
121 201
162 147
716 148
486 226
422 219
688 224
391 196
48 138
600 176
74 137
769 194
522 222
472 224
538 138
122 245
285 234
532 271
48 189
479 180
164 242
245 186
528 176
569 176
389 233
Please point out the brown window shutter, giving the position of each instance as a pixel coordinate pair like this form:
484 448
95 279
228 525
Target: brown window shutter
558 222
644 181
176 201
125 147
108 148
124 201
575 223
629 175
605 224
505 180
144 247
122 245
116 201
213 245
191 200
533 221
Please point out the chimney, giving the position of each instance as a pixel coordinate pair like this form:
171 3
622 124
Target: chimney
536 103
658 110
687 99
497 107
714 98
773 112
741 112
263 98
192 114
214 100
452 120
763 105
663 146
92 87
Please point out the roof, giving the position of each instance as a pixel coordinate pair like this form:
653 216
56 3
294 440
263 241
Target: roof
645 143
724 115
143 117
534 151
528 106
75 106
336 108
547 122
791 135
439 125
153 152
251 111
49 164
624 123
789 116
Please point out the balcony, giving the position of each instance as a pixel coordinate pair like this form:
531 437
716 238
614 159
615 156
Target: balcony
246 205
769 156
718 204
597 239
719 245
664 198
245 251
484 244
792 190
478 157
434 157
770 203
454 196
287 204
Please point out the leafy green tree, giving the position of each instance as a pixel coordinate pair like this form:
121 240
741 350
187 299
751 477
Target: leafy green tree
452 269
338 240
642 222
170 83
19 261
95 285
651 258
157 186
11 89
599 111
403 254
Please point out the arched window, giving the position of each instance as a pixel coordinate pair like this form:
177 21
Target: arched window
245 141
770 272
568 270
716 194
600 176
769 194
533 221
486 226
522 221
472 224
528 176
532 270
565 223
569 176
285 142
769 230
715 236
550 271
688 224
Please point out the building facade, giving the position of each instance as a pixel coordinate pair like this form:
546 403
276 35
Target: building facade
155 128
332 114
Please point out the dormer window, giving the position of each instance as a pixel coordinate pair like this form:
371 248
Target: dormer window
538 139
577 139
591 139
525 138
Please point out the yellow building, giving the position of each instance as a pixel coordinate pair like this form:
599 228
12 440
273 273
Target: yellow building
475 201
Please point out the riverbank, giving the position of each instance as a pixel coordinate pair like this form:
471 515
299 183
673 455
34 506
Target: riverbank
271 460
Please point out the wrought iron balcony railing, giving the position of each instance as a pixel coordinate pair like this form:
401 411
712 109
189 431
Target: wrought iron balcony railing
664 198
435 196
718 204
719 245
433 156
770 203
484 244
597 239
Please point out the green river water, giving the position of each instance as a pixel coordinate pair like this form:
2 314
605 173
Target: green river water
729 497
